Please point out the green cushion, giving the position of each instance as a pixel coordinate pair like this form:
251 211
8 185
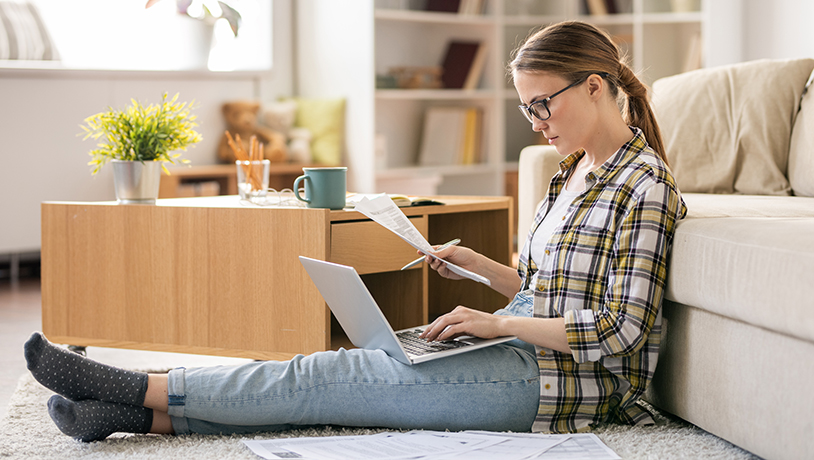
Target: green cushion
325 118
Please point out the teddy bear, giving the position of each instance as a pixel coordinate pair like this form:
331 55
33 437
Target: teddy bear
242 120
280 116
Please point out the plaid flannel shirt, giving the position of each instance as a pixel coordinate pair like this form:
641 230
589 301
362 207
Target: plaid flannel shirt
604 270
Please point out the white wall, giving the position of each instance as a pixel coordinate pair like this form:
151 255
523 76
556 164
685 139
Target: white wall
324 69
43 159
745 30
780 29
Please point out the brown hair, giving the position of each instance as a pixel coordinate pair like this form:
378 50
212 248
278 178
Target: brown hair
574 50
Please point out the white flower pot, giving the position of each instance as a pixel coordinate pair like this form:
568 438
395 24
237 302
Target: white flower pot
136 182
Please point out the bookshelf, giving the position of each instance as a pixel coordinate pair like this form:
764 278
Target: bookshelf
385 124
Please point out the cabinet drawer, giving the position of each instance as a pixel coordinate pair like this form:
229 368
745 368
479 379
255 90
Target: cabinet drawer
371 248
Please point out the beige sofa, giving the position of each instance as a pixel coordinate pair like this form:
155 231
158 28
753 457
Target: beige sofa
738 356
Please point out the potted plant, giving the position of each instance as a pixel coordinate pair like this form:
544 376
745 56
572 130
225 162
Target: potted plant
226 12
139 141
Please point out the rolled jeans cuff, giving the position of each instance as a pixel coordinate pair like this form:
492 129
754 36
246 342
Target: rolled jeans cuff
176 394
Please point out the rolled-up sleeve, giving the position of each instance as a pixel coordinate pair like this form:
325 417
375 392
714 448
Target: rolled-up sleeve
635 282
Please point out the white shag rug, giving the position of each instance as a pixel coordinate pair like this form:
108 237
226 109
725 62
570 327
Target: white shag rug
28 432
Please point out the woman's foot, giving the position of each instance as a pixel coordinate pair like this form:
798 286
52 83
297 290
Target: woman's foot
92 420
79 378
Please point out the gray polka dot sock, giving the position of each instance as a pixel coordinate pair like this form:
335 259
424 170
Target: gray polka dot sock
92 420
78 378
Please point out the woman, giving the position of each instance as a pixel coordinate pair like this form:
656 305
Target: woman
586 299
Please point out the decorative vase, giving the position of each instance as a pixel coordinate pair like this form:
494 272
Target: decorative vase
136 182
192 45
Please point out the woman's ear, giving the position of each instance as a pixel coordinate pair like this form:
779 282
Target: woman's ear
596 86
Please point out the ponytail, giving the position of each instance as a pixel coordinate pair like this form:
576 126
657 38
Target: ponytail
637 112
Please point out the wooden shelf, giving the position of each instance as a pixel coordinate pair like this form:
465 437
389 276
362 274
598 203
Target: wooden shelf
384 135
198 180
392 14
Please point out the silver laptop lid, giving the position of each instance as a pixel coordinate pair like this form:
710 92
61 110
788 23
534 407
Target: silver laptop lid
354 307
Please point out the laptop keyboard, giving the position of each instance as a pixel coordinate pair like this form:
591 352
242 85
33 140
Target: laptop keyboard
416 346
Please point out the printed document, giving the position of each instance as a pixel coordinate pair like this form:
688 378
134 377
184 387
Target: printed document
427 445
384 211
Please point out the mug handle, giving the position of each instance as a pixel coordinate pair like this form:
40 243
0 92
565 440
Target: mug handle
297 189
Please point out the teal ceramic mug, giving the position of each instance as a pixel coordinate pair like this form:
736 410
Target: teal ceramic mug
324 187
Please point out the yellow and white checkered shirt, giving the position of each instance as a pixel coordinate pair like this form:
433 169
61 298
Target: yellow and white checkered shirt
604 271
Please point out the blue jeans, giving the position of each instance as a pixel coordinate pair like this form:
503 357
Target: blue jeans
495 388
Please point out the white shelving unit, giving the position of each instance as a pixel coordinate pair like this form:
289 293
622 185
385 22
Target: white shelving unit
352 42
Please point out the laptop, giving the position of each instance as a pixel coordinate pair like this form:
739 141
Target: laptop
365 324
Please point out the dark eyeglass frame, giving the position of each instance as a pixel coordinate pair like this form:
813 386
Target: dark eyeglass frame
528 110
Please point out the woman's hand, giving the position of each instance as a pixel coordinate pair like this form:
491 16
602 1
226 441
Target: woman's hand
504 279
464 321
545 332
458 255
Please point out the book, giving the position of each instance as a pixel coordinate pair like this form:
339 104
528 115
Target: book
402 201
624 6
476 69
596 7
457 63
610 5
470 153
452 135
474 7
443 6
443 136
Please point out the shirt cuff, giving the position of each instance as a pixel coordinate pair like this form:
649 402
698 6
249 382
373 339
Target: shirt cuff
580 329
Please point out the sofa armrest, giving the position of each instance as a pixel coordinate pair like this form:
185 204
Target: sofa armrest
538 164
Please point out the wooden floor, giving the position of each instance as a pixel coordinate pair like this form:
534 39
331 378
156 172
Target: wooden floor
19 316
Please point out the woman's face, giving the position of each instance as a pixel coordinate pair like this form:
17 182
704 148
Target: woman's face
567 127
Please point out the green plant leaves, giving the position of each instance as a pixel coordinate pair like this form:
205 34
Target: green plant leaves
142 133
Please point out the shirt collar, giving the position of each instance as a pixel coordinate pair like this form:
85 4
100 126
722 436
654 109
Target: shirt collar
605 171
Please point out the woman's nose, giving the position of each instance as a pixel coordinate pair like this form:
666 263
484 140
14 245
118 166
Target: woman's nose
538 125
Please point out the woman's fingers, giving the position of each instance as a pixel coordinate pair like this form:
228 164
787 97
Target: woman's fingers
461 321
437 327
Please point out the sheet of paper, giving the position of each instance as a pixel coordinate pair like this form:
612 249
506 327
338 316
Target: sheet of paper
383 446
512 446
581 446
577 446
289 448
404 446
383 211
426 445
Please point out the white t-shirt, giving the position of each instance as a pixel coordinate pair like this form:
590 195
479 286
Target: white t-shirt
550 223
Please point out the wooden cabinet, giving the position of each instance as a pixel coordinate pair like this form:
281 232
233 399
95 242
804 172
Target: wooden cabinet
213 276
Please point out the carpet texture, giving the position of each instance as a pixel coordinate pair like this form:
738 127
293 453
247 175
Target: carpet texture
28 432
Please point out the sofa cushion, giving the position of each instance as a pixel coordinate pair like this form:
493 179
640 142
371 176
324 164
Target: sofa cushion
752 269
711 205
801 150
727 129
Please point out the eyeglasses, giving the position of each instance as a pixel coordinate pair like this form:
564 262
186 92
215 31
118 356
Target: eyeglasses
531 110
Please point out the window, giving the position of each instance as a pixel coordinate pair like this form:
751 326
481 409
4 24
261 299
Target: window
124 35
